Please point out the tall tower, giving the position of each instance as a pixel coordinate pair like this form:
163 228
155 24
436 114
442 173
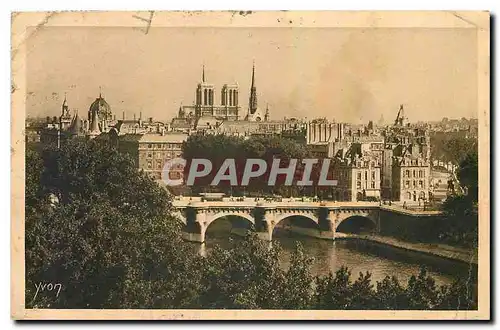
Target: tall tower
65 118
252 102
266 116
204 97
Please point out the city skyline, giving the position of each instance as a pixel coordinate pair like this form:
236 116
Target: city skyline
358 76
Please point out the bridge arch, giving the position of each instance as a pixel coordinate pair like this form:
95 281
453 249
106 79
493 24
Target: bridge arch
232 217
215 217
297 223
282 217
356 223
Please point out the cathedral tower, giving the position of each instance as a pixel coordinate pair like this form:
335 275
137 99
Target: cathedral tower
204 97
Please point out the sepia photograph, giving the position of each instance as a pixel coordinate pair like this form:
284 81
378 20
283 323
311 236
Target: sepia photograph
250 165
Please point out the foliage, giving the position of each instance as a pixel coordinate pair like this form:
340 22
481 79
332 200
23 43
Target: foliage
247 275
111 242
460 225
218 148
451 148
468 174
107 247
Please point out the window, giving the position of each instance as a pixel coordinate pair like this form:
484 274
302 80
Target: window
373 185
407 173
150 146
407 184
158 155
420 184
366 175
408 195
414 183
150 164
414 173
359 175
358 184
150 155
373 175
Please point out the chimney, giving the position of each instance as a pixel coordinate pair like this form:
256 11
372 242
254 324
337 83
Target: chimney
123 115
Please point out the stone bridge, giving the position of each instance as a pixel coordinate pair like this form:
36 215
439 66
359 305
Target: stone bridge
263 217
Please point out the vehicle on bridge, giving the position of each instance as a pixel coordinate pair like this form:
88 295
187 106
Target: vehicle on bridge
212 196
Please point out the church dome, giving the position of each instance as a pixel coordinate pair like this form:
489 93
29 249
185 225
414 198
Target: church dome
101 107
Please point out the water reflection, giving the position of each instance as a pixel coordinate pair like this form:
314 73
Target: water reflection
358 256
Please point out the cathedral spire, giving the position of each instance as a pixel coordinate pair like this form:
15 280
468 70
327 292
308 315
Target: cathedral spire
252 102
253 74
203 74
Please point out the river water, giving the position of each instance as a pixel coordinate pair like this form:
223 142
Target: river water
358 256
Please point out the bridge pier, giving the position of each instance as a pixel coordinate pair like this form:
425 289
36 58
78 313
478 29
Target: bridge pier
193 237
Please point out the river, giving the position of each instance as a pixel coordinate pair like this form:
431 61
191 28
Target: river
358 256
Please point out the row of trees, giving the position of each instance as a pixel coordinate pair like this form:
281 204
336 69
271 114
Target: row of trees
105 233
452 148
218 148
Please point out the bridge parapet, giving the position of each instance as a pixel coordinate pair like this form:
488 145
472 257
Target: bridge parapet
265 215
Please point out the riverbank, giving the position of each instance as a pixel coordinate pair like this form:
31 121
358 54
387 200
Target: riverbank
440 250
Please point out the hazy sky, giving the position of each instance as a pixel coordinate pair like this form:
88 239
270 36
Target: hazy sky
342 74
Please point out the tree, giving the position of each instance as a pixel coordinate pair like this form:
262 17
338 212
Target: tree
421 291
390 294
457 296
298 281
468 174
363 294
461 211
247 275
334 291
218 148
106 246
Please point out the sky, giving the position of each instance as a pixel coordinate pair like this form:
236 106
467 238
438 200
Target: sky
346 74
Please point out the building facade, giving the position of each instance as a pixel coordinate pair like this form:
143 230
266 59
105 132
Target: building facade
150 152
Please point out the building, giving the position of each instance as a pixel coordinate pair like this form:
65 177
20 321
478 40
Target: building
205 104
205 113
406 167
323 138
358 177
150 151
67 126
411 179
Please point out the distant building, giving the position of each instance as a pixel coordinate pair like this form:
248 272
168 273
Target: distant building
150 151
205 113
